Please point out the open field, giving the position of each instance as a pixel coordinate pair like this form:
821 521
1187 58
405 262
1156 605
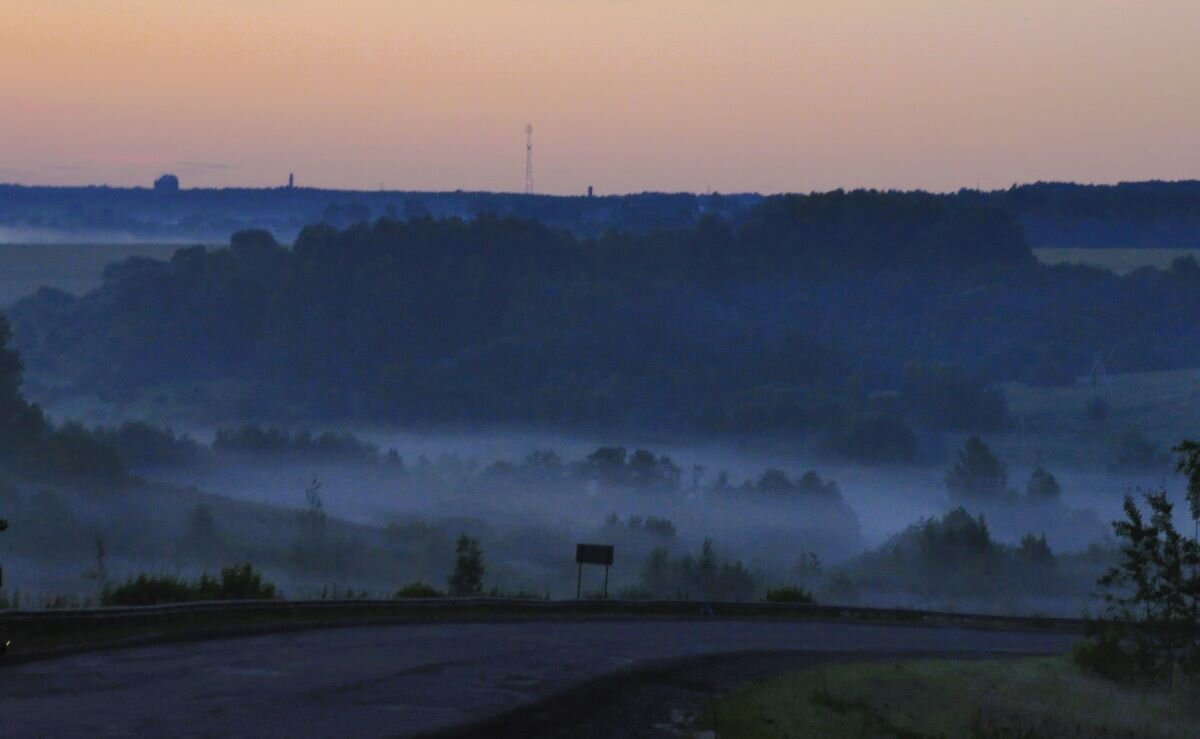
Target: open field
75 268
1052 424
1120 261
983 698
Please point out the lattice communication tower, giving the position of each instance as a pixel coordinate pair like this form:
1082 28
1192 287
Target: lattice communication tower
529 159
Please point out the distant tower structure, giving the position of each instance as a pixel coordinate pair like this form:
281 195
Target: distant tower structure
291 181
529 159
167 183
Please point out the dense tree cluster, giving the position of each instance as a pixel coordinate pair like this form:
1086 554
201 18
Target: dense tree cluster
142 445
956 556
1126 215
31 445
276 442
855 316
701 577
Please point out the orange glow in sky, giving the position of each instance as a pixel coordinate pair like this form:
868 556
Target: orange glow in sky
626 95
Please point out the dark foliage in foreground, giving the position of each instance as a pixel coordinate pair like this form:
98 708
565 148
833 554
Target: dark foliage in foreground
1153 592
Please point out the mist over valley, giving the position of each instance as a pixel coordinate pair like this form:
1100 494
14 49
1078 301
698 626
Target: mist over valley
844 393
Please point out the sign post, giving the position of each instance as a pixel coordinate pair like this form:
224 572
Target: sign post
592 554
5 642
3 527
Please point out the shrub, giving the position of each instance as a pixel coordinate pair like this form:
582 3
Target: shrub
790 594
978 474
419 590
239 582
1105 656
146 590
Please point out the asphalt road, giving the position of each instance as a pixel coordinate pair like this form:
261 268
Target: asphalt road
403 680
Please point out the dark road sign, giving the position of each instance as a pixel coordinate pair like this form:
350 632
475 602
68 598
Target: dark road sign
594 554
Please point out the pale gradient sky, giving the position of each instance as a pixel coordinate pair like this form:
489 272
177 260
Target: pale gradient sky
626 95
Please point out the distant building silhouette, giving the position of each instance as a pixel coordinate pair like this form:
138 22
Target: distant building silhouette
167 183
291 181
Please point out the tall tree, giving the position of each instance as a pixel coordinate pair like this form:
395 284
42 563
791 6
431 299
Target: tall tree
20 422
1189 464
467 578
1155 584
977 474
1042 486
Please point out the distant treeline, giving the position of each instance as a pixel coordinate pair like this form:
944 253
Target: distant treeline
860 317
212 214
1163 215
1128 215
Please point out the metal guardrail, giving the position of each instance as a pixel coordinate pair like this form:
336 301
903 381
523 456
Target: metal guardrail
88 619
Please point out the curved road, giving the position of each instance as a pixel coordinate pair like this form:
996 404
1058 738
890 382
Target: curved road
404 680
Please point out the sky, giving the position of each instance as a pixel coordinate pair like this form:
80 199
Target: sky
624 95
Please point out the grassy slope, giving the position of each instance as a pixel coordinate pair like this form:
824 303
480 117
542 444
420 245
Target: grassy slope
1163 405
1043 697
1052 424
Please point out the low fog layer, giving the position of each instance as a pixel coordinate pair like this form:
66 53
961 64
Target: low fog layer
884 499
529 497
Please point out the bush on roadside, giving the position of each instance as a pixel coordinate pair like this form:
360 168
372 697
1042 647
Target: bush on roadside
419 590
239 582
520 594
790 594
1105 655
